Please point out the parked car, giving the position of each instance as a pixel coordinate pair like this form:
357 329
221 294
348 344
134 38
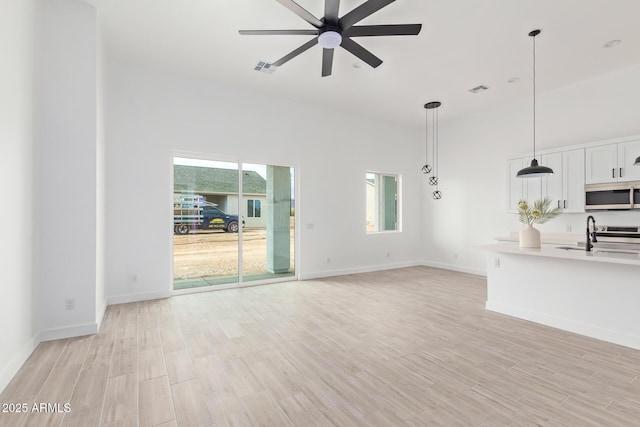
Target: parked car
193 212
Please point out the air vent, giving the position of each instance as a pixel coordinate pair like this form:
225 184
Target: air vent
265 67
478 89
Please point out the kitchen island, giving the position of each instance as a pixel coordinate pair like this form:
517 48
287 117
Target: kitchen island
596 294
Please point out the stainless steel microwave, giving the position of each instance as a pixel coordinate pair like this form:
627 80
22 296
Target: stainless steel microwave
612 196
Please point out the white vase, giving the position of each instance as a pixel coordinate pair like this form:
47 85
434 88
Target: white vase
529 237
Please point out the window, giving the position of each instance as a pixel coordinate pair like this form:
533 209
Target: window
254 208
383 202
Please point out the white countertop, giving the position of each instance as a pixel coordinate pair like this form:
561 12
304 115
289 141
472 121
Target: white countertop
552 251
551 238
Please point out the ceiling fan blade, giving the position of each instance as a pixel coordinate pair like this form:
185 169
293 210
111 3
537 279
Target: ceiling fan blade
383 30
360 52
361 12
279 32
296 52
331 11
327 62
301 12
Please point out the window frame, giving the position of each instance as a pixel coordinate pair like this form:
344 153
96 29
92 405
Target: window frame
251 211
379 213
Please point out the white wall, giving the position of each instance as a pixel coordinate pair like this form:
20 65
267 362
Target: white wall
151 114
16 185
67 202
473 158
101 293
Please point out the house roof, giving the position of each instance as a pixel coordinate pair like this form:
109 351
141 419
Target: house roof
216 181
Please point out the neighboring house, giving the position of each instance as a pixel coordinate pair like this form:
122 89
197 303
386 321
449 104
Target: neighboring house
220 186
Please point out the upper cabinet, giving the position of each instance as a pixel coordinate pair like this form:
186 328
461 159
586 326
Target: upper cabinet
520 188
612 163
628 152
565 187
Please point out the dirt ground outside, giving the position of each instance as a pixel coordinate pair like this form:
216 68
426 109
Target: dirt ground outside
215 253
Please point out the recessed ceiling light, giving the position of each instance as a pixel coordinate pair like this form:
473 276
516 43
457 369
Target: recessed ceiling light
478 89
357 64
513 80
612 43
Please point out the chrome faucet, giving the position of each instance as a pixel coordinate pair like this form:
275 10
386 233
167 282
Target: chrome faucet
591 235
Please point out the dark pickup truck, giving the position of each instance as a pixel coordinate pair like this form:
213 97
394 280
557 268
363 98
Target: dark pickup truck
208 218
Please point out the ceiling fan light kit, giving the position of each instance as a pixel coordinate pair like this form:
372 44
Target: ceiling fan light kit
534 170
332 31
330 39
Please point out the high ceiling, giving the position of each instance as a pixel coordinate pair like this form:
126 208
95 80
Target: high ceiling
463 44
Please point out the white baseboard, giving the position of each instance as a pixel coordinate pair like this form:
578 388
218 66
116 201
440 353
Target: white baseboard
69 332
124 299
593 331
453 267
9 371
100 315
356 270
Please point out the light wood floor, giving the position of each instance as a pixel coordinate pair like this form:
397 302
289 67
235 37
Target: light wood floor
409 347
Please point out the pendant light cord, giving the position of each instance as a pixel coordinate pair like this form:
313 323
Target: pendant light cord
534 97
437 137
433 142
426 134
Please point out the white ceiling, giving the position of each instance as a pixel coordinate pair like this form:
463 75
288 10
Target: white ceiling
463 43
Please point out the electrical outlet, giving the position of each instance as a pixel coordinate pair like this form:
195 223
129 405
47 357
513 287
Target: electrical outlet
70 304
388 254
328 260
568 228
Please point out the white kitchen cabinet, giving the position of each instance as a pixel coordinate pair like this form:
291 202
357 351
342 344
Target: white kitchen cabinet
529 189
601 164
612 163
628 152
565 187
552 185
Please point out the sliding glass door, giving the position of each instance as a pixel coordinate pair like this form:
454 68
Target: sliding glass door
268 237
233 223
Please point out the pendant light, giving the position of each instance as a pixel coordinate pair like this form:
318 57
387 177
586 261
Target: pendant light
433 179
534 170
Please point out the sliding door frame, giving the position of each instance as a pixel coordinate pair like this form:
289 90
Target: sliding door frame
241 200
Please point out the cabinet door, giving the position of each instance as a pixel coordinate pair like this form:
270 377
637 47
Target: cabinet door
627 154
516 186
602 164
573 180
552 185
528 189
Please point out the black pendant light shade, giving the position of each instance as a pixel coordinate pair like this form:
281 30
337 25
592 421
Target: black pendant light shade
534 170
637 162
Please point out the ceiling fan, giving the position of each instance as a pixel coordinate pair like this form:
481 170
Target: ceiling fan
332 31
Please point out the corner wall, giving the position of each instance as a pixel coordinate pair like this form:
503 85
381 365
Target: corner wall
17 313
474 150
67 171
